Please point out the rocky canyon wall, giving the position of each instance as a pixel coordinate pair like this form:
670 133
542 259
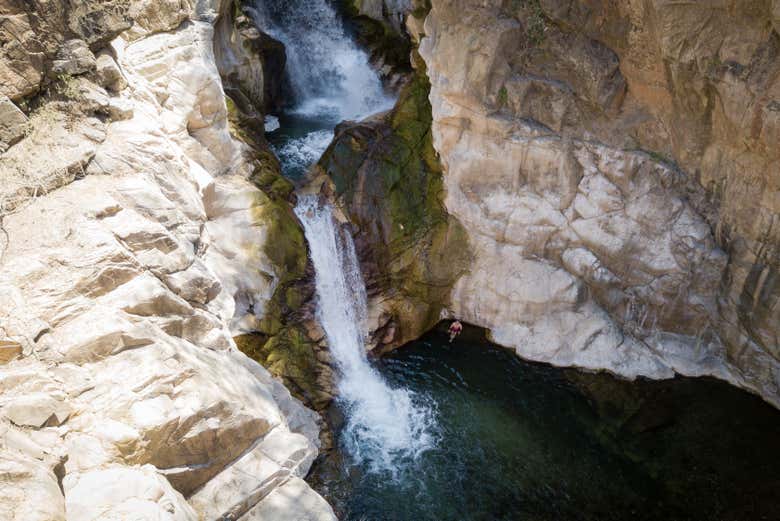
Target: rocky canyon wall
615 166
132 248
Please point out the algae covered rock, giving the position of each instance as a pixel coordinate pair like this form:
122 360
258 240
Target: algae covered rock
285 340
387 178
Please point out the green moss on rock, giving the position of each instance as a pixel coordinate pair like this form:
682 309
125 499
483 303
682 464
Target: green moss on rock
281 343
387 176
290 355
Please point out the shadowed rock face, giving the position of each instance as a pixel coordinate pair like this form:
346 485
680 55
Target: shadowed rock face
250 62
616 168
379 26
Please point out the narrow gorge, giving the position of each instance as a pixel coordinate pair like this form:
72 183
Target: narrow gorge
233 234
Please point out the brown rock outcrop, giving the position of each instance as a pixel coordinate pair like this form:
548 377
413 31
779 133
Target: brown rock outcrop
616 168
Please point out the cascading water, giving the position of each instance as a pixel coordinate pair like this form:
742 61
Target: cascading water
385 427
464 430
330 75
331 81
331 78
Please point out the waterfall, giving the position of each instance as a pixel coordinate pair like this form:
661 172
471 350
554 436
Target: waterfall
331 77
385 427
332 80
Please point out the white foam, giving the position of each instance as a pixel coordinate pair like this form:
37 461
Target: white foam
271 123
330 75
300 153
385 427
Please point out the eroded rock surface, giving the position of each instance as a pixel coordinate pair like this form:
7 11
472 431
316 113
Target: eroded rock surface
133 247
616 169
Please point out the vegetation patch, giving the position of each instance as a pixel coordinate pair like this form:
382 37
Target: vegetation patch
503 97
531 14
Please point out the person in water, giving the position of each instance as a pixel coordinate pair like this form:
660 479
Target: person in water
455 329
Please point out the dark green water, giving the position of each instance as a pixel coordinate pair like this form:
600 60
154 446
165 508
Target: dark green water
523 441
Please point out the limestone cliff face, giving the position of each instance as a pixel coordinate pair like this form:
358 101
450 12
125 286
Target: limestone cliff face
616 168
133 246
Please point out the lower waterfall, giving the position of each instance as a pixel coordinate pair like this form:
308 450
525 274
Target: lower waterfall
385 426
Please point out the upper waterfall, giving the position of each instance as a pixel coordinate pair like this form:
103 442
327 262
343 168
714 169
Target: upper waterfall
330 76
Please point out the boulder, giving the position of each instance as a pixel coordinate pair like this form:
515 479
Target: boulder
30 489
155 16
73 57
279 457
386 176
36 410
292 501
108 74
120 109
119 493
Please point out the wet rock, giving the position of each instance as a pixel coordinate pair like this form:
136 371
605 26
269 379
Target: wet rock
387 178
654 414
380 27
250 62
